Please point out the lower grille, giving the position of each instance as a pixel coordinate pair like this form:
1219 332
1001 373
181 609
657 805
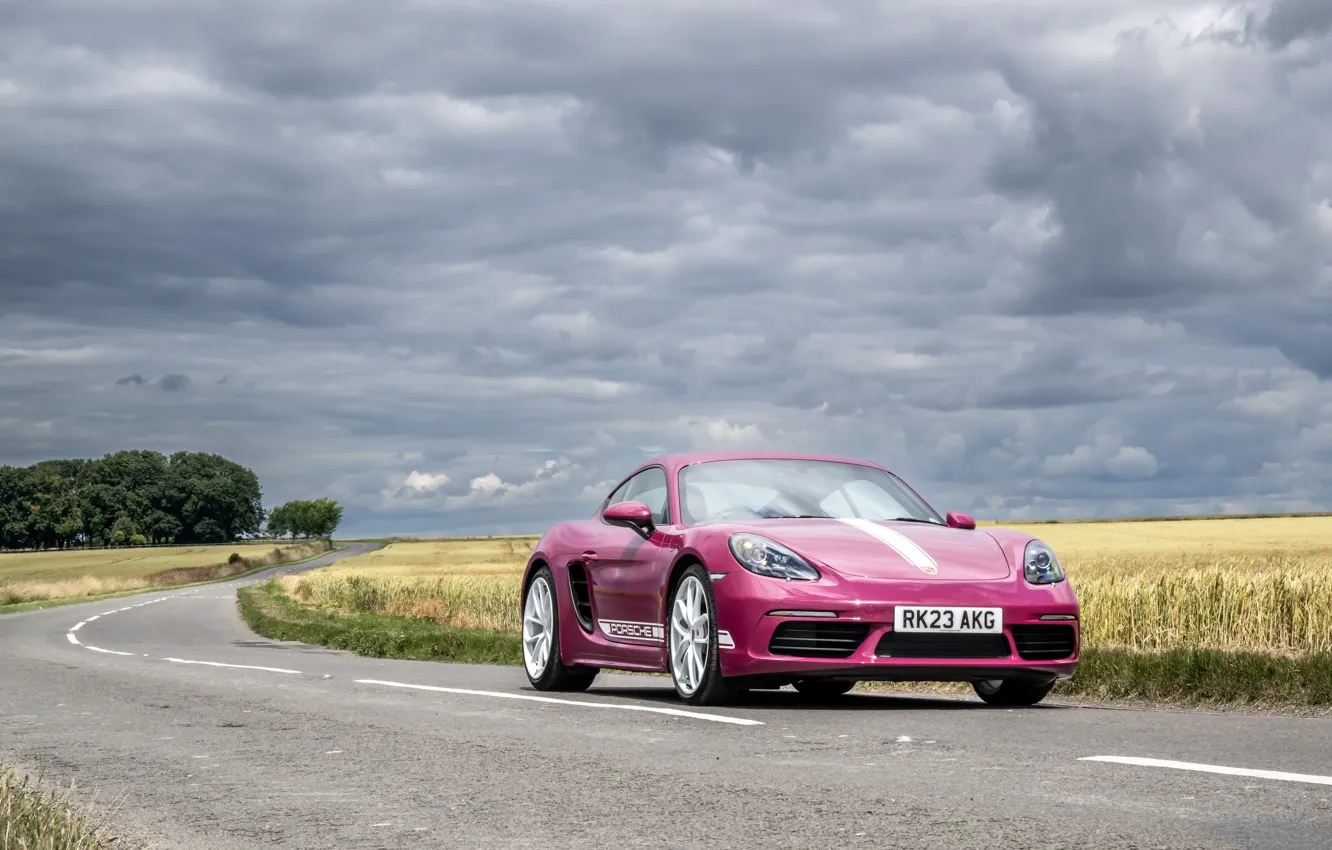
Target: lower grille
1044 643
817 640
926 645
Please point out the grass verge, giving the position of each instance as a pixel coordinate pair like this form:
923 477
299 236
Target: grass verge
246 569
33 818
1191 677
269 612
1203 677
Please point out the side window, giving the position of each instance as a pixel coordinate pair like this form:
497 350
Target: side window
618 496
649 487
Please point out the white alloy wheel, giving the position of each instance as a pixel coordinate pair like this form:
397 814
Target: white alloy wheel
691 633
538 625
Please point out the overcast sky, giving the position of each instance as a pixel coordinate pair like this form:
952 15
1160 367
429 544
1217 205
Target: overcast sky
461 264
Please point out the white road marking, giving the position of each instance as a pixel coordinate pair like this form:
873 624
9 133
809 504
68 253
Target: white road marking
1214 768
674 712
237 666
899 542
78 626
72 639
107 651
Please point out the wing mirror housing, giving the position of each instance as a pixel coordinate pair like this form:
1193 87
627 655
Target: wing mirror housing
635 515
957 519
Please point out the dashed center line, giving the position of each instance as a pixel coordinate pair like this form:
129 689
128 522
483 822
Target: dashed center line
1214 768
237 666
673 712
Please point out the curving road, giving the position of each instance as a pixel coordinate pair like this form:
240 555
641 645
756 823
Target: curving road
212 737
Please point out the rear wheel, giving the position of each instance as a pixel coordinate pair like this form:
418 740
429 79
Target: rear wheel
824 688
541 640
1012 692
694 660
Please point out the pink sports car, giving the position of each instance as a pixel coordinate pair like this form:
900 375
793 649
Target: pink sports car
735 570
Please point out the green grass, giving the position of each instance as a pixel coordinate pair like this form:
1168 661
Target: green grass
269 612
38 605
1203 677
34 818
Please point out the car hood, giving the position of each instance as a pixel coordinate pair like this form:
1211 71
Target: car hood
890 550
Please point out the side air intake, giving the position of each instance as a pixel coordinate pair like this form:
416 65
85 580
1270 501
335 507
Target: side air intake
582 596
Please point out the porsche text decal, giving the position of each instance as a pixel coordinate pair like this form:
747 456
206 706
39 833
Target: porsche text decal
625 629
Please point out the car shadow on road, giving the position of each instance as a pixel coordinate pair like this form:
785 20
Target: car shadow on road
792 700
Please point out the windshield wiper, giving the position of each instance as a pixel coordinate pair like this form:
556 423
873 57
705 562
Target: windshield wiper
799 516
912 519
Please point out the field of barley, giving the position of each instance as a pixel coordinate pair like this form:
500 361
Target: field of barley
35 576
1253 584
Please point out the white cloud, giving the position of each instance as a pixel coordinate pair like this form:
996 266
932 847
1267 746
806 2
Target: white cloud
488 483
423 482
1105 455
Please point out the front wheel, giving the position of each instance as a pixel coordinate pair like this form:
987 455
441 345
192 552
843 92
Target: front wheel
1012 692
694 660
541 640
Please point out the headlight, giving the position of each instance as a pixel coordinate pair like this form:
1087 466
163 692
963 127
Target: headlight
1040 565
769 558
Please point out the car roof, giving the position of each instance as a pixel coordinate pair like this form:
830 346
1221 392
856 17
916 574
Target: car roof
675 461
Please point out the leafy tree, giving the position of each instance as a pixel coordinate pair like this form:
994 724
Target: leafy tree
318 518
187 497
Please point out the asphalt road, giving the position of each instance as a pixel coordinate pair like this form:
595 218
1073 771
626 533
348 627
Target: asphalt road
298 746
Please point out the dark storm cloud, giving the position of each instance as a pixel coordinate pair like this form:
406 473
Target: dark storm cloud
455 264
1294 19
174 383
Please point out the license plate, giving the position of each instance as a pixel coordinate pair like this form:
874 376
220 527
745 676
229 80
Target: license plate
920 618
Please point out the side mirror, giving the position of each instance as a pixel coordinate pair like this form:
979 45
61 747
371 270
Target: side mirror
635 515
957 519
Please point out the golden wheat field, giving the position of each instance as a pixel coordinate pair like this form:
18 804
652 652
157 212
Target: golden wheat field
31 576
1225 584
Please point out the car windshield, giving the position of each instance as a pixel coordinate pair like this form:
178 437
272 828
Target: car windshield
770 489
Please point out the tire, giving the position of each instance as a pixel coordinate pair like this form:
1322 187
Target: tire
824 688
1012 692
545 668
693 608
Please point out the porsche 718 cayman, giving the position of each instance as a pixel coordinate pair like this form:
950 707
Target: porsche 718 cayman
734 571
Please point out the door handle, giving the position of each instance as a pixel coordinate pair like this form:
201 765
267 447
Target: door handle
589 555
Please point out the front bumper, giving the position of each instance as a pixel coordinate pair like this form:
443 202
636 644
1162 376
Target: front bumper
746 602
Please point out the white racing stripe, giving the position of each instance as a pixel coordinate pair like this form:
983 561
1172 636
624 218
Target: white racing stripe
237 666
1214 768
673 712
899 542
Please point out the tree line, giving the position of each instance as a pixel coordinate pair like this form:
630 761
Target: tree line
132 497
318 518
